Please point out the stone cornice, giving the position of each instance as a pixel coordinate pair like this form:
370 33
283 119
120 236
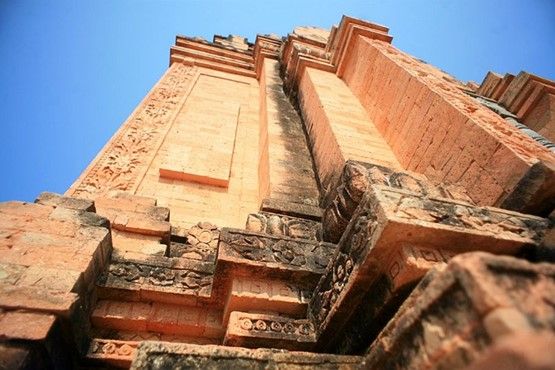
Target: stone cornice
201 53
299 52
345 36
265 47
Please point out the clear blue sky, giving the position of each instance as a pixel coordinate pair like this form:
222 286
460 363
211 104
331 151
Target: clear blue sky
72 71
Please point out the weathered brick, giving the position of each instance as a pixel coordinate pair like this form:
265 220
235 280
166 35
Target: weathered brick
117 353
259 330
57 200
175 355
372 259
254 295
459 312
37 299
25 326
356 178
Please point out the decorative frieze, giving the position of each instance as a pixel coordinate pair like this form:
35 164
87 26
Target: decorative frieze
357 177
260 330
123 161
274 252
133 276
281 225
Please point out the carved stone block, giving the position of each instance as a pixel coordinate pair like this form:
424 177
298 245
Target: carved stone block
117 353
199 242
191 356
357 177
458 312
262 255
394 237
158 279
275 296
281 225
259 330
292 209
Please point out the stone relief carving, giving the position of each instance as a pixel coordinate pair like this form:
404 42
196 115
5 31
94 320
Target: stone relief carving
401 262
329 288
113 348
484 219
335 279
184 280
289 327
351 247
355 180
281 225
200 243
257 247
125 157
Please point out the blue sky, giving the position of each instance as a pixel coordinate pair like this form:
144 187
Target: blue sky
72 71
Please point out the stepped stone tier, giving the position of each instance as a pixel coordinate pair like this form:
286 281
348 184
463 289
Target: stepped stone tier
319 200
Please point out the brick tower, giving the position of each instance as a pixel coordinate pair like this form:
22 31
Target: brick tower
297 202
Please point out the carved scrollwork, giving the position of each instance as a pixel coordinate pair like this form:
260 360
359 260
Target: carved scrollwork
492 221
351 249
313 255
188 281
128 153
334 282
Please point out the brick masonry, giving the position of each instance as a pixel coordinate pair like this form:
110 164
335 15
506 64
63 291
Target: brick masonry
318 200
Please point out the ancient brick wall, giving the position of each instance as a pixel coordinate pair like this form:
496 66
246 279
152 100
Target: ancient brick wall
321 200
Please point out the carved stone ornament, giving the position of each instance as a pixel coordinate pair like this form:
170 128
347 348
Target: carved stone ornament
185 280
261 248
201 243
126 156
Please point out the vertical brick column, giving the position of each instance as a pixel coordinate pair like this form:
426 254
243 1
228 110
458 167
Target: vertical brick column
435 129
286 170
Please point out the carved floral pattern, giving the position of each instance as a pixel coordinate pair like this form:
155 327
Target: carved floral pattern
191 282
489 220
287 251
351 248
128 153
201 245
290 327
